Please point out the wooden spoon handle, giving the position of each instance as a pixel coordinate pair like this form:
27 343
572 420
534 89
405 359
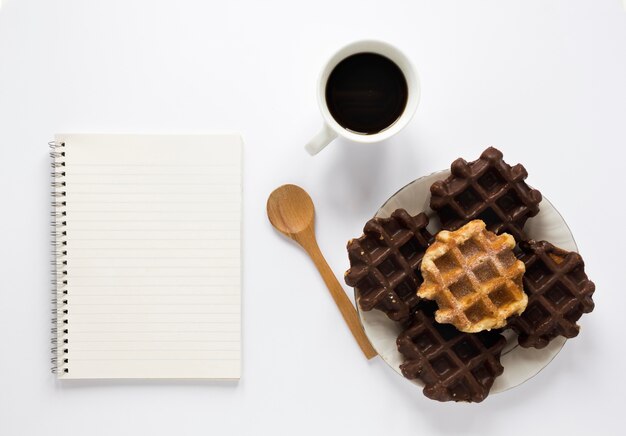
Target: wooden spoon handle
341 299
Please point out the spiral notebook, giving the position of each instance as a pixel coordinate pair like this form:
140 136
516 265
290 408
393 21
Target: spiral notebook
147 254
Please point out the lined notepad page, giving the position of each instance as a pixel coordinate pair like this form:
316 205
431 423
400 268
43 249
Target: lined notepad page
153 255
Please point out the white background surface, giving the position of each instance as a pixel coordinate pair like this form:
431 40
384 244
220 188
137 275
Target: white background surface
543 80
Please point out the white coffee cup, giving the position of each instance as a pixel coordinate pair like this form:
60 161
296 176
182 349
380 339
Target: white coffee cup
331 128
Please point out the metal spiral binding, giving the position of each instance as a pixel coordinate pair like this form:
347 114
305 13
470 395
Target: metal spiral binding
60 350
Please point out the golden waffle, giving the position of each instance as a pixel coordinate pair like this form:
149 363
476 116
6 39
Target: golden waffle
474 277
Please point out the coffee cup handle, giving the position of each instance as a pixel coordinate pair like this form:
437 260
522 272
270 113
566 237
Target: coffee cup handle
321 140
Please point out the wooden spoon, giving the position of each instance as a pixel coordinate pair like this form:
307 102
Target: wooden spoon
291 212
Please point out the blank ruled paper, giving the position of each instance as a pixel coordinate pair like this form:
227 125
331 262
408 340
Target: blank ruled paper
153 256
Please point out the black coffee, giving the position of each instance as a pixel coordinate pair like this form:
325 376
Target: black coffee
366 93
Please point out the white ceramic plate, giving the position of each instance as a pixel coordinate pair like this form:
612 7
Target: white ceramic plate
520 364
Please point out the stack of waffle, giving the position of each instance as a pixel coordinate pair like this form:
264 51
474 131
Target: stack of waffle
481 271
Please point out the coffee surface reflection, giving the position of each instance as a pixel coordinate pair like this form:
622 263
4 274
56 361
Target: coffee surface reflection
366 93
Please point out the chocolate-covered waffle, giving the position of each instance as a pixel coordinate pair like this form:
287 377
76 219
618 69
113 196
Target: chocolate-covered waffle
474 277
385 263
454 366
559 292
487 189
